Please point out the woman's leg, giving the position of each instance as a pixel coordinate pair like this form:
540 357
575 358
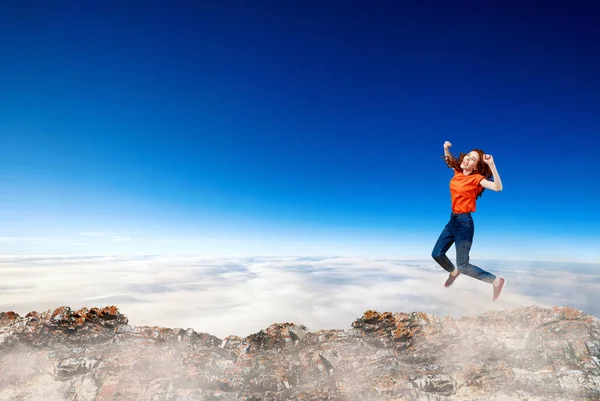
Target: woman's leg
444 242
465 230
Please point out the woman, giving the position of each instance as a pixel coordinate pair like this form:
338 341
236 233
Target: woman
472 172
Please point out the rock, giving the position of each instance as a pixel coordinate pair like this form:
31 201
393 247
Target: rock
93 354
70 367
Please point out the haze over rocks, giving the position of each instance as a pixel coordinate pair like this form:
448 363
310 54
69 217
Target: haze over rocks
528 353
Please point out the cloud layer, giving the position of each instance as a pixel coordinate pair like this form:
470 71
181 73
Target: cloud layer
240 296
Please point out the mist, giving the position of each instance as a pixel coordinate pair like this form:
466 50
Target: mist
240 296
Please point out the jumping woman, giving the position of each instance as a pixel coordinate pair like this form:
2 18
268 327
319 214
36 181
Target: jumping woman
472 173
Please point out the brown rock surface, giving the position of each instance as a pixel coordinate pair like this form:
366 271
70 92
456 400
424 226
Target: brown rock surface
93 354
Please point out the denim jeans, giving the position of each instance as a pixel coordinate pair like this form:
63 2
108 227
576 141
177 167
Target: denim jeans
460 229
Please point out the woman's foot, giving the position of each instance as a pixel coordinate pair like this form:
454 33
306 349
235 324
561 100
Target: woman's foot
498 286
451 277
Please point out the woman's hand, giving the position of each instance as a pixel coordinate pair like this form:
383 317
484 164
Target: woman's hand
447 145
488 159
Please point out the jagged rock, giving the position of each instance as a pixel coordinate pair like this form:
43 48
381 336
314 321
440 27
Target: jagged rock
93 354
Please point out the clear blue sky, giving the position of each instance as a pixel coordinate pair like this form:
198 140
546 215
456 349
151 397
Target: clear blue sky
296 127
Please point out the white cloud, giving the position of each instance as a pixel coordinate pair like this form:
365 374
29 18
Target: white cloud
242 295
102 235
21 239
41 240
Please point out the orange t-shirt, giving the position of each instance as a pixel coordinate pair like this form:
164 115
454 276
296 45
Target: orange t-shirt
464 190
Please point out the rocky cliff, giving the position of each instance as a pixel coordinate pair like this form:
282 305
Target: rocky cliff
93 354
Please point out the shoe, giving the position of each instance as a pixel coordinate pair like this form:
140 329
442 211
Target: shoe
498 288
451 279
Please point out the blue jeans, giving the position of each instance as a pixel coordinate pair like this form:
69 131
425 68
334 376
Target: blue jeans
460 229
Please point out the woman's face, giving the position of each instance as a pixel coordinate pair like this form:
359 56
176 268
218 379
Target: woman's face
470 161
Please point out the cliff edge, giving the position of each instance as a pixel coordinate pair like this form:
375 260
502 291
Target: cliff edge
93 354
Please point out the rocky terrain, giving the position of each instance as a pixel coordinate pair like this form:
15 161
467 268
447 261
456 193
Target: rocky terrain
93 354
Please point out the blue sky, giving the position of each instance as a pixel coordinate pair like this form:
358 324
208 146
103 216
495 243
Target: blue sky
296 127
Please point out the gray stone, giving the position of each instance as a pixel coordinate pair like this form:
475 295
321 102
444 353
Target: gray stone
533 353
